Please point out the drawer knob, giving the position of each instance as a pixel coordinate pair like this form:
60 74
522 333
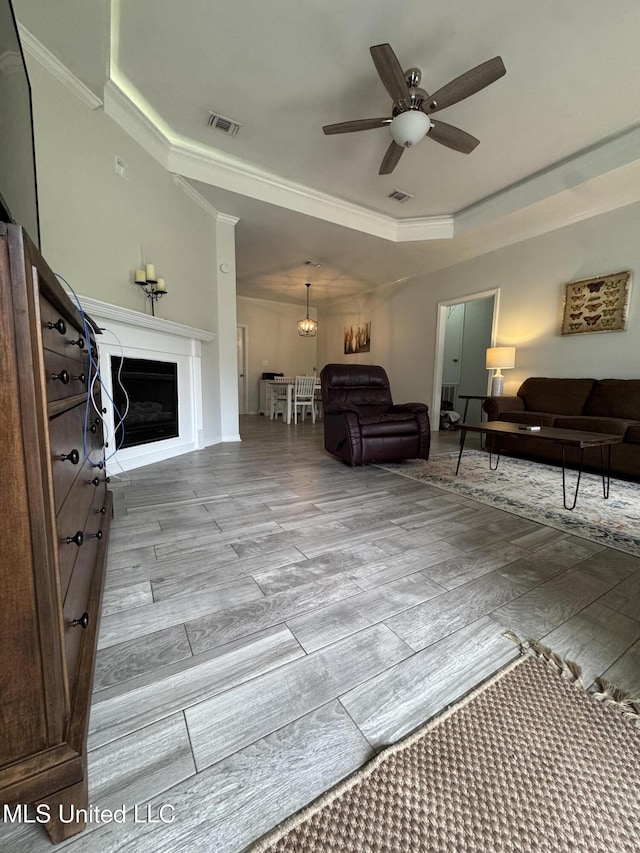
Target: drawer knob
102 510
93 428
83 621
95 482
61 326
63 376
78 343
107 479
81 377
99 465
73 457
97 535
78 539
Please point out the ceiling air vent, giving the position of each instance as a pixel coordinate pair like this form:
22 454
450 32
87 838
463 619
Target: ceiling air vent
223 124
399 195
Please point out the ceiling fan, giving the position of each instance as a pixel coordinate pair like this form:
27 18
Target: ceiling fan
412 107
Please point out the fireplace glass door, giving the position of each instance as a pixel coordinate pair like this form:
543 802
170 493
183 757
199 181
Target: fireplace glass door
152 391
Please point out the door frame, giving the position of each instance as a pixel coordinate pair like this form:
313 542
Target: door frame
441 322
242 330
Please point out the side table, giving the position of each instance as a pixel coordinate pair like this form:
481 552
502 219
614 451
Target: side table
466 398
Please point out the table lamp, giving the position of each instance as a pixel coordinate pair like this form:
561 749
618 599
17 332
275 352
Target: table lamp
499 359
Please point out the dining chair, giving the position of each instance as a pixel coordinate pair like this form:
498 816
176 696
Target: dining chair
278 399
304 392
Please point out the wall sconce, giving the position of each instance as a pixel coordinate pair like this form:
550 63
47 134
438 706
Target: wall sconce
499 358
153 287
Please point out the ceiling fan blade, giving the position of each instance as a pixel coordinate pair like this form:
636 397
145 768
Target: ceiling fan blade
467 84
359 124
391 158
390 71
452 137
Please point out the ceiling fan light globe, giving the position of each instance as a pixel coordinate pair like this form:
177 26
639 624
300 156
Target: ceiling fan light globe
409 127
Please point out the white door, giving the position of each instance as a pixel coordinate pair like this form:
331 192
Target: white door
453 345
241 343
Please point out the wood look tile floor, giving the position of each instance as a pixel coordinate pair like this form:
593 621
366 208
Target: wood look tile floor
272 618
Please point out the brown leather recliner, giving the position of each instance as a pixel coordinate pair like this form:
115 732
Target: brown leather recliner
362 425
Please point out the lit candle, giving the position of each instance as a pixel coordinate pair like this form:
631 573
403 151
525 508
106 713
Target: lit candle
151 272
140 277
160 284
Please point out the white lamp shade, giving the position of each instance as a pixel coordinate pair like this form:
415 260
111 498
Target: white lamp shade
409 127
501 357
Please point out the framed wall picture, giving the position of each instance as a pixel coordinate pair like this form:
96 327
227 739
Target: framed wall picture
357 339
598 304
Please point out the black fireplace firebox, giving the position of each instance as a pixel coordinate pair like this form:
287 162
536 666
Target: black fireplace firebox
152 388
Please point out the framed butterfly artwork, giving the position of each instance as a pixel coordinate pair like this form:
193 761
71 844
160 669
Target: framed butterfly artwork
598 304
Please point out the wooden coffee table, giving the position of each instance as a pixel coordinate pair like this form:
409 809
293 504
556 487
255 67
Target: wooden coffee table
563 437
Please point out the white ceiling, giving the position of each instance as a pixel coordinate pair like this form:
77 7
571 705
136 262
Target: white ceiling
559 133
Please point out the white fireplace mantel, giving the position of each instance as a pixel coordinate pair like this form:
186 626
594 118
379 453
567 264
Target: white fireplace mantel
143 321
137 335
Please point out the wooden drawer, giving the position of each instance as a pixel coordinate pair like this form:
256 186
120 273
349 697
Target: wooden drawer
77 595
70 372
66 433
55 339
67 450
72 520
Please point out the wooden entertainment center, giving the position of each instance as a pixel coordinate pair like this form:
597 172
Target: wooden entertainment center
55 514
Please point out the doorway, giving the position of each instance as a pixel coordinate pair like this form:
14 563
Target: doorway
243 388
466 326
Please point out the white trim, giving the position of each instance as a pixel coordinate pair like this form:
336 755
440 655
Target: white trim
203 203
157 324
591 163
232 437
38 51
428 228
132 118
441 321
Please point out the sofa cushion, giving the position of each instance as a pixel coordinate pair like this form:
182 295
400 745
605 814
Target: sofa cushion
632 435
615 398
611 426
532 418
555 396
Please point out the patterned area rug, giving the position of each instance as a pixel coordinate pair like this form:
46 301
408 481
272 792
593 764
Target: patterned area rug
533 490
528 762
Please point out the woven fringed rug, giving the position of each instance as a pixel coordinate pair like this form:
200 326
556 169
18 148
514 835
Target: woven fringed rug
528 762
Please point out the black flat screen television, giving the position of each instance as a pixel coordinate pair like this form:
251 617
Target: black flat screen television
18 188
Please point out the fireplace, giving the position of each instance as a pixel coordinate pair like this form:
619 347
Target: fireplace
152 390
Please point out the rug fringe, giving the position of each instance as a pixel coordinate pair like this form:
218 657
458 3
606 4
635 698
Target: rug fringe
607 693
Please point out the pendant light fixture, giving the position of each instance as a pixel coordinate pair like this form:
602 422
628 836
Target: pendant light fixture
307 327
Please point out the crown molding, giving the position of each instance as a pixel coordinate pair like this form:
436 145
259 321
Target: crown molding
189 160
38 51
606 157
203 203
136 318
133 119
427 228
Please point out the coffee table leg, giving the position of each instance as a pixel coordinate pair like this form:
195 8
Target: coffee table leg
606 471
462 440
564 485
491 466
464 418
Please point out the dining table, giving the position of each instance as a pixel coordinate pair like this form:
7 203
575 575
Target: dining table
289 386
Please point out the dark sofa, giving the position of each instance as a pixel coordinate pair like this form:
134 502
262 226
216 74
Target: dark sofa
594 405
361 423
